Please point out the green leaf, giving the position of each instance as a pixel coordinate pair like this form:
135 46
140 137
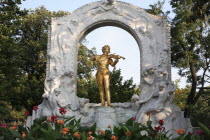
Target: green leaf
129 122
205 129
69 120
15 133
40 120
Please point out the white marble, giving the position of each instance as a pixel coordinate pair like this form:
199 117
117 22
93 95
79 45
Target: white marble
104 117
29 121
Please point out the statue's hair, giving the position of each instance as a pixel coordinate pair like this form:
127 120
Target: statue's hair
105 46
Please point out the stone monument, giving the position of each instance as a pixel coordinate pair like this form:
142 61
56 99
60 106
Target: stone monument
152 34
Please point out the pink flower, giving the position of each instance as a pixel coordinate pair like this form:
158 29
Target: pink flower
53 118
26 113
161 122
198 132
35 108
62 110
3 125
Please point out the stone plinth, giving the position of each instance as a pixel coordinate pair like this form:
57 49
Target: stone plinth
104 116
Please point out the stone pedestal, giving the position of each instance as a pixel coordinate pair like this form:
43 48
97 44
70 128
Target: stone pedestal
104 116
29 121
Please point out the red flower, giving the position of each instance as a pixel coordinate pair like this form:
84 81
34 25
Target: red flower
3 125
154 134
35 108
189 133
148 113
26 113
161 122
159 128
53 118
133 118
62 110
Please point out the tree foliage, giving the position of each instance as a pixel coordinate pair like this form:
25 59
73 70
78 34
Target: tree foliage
120 88
85 65
10 15
86 82
190 48
181 95
157 9
23 51
200 112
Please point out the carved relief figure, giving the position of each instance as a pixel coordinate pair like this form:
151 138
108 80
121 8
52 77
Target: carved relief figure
149 87
102 75
158 103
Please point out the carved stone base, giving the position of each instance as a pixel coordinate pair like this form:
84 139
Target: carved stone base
104 116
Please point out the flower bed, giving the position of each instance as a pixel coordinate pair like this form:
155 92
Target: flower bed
52 128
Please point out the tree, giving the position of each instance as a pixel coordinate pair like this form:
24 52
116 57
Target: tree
181 95
23 51
85 65
32 51
157 9
88 88
190 45
120 88
200 111
86 83
10 15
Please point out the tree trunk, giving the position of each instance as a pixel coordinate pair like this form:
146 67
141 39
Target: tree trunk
190 100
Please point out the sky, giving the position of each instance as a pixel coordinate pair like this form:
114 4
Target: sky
120 41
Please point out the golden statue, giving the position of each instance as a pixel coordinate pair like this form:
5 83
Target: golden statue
102 75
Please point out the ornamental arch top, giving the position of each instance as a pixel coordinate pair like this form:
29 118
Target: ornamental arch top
152 34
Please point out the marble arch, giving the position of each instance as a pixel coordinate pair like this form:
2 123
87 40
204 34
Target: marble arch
152 34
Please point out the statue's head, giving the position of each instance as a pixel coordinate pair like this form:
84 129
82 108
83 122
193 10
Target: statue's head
106 48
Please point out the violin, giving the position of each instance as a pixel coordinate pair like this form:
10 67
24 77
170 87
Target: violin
116 56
